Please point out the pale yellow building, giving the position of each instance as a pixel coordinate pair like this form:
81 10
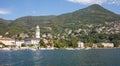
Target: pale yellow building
7 41
108 45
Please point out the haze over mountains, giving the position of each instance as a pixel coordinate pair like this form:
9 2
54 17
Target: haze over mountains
91 15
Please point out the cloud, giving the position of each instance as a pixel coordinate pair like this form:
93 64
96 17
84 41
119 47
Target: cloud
117 2
96 1
88 1
4 12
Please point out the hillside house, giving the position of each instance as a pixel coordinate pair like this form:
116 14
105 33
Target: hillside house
108 45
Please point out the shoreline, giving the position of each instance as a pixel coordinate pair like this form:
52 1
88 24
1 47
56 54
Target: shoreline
34 49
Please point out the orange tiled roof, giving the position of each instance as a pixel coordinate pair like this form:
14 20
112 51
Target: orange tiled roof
6 39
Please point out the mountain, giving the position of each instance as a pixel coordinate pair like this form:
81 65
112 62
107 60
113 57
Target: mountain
32 20
28 24
92 14
56 24
3 26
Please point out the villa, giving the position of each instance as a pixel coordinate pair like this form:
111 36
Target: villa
8 41
108 45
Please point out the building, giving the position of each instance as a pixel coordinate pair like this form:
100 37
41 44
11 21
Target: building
32 41
108 45
19 43
35 40
8 41
80 44
37 35
44 36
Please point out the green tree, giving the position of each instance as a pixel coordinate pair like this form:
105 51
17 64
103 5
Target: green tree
100 46
23 45
2 44
30 45
60 43
42 44
89 44
74 42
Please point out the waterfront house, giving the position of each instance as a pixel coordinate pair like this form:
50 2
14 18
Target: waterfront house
108 45
80 44
19 43
8 42
32 41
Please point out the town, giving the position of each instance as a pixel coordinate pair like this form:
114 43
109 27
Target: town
67 40
90 27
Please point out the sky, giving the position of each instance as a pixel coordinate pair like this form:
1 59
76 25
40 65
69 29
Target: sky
13 9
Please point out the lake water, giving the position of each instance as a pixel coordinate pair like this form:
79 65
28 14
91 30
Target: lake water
92 57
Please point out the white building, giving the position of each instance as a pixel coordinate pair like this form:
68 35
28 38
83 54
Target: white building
32 41
108 45
37 35
80 44
19 43
35 40
8 41
44 35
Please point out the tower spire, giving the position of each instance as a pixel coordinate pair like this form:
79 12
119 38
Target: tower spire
37 32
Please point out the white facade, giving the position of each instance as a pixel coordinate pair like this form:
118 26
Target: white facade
32 41
108 45
7 41
81 44
19 43
37 35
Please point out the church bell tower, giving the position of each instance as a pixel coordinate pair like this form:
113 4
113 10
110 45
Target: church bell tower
37 35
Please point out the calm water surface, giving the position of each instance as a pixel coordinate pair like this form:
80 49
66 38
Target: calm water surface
93 57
